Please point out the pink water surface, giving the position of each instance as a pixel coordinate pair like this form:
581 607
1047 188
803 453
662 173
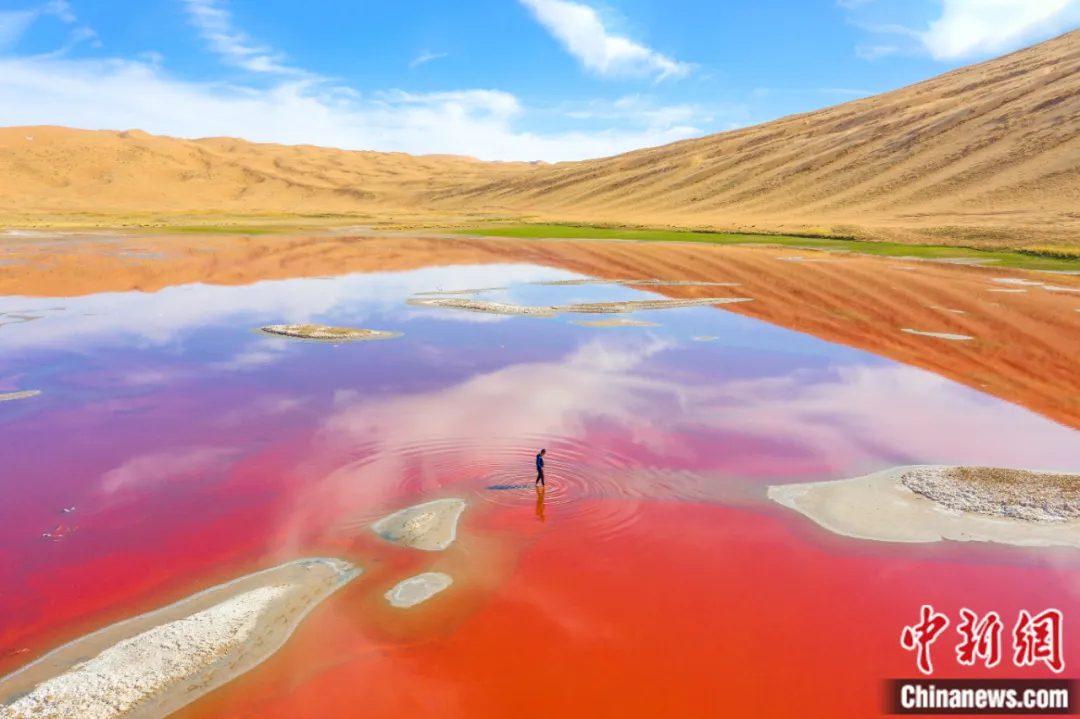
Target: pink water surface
653 579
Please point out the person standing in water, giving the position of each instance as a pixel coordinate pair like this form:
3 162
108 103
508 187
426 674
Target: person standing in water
540 468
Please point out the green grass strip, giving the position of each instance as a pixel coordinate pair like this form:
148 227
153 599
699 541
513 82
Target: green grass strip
994 258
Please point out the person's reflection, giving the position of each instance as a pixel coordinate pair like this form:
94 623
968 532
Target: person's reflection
540 502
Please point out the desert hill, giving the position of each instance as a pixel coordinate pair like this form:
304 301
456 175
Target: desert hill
55 169
989 153
993 148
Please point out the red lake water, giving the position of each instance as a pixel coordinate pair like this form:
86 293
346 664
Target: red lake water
653 578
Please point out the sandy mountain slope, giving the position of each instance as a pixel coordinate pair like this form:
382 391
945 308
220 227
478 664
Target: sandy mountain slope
993 147
988 154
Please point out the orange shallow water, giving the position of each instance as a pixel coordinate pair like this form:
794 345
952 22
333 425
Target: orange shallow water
704 611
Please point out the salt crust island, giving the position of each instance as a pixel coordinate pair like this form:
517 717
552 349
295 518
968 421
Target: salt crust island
328 333
154 664
431 526
414 590
929 503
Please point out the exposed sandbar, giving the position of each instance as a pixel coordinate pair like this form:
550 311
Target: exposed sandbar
615 322
414 590
932 503
642 282
635 305
939 335
155 663
502 308
577 283
1017 281
431 526
495 308
679 283
473 291
25 394
325 332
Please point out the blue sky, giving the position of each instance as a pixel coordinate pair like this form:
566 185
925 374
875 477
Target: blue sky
497 79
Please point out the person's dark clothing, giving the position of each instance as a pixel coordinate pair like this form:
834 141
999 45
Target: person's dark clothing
540 469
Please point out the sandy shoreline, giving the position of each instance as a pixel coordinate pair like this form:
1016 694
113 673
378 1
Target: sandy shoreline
155 663
882 507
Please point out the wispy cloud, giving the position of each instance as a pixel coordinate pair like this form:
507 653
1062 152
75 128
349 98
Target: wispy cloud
214 23
426 57
843 91
875 52
14 23
581 31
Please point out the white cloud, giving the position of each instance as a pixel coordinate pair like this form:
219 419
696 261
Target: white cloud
301 107
122 94
642 107
214 24
581 31
969 28
426 57
963 29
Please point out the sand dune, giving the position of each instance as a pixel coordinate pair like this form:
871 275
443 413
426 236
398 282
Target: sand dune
110 175
987 154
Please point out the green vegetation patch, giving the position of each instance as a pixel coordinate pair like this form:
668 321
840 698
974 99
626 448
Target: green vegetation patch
1061 253
1048 258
